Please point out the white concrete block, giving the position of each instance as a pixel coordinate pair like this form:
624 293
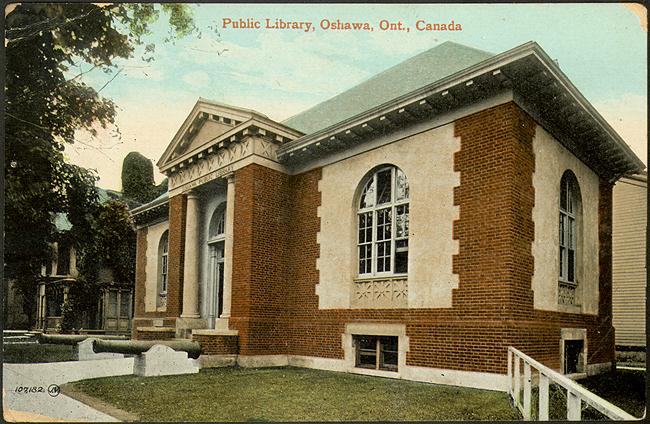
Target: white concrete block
163 360
83 351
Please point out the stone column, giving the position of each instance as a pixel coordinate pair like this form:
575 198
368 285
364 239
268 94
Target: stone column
191 268
227 266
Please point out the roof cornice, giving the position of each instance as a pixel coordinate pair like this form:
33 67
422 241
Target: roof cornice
409 98
515 69
586 105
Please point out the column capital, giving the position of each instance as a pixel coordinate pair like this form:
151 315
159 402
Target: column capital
192 195
230 177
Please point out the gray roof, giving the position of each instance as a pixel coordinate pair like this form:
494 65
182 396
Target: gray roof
104 195
160 200
416 72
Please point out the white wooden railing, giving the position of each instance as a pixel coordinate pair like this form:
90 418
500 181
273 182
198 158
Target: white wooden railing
575 393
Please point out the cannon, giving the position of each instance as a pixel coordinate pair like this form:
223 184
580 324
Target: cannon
72 339
136 347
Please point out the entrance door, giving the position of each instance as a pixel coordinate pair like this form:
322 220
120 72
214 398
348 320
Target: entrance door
216 281
117 310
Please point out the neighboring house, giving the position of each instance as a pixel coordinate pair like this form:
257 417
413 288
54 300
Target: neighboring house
113 310
14 315
406 228
629 260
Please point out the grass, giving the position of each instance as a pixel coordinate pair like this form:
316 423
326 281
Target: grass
623 388
292 394
27 353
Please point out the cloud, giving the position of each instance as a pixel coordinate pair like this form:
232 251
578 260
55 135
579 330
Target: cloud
197 79
627 114
296 65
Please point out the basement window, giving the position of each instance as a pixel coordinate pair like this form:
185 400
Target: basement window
573 356
375 352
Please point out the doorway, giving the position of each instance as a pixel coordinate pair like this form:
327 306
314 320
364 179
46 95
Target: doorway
215 303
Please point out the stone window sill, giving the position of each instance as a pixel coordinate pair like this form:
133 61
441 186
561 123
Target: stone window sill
571 309
381 278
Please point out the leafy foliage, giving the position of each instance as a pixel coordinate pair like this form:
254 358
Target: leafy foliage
113 246
68 316
162 187
112 250
137 178
44 108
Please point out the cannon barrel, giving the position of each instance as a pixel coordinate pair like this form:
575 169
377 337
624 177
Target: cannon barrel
136 347
72 339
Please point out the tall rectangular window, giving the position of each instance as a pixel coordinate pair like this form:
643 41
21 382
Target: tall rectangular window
63 259
569 219
163 269
383 224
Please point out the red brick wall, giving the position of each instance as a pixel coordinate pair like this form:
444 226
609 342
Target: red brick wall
177 211
495 197
493 305
217 344
259 266
155 335
140 270
275 308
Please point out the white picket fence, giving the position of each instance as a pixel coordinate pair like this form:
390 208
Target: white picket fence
575 393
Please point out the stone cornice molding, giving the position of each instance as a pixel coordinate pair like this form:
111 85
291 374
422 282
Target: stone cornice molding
257 126
528 71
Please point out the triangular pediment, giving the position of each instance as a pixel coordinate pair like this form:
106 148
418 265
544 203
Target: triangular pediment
206 122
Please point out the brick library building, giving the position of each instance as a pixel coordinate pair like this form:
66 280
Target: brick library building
414 226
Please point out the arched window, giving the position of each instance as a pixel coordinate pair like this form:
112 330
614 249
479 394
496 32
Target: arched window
216 263
217 229
163 267
570 206
383 223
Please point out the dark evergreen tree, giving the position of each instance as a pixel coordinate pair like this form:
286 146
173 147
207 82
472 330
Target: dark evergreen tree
137 178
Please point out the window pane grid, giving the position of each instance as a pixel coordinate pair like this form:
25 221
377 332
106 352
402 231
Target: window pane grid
567 240
384 236
365 242
376 352
163 273
383 221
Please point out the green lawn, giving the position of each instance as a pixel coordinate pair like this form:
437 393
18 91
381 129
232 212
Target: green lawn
33 352
623 388
292 394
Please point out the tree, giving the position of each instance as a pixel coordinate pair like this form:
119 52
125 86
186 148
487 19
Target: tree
44 109
137 178
112 248
163 187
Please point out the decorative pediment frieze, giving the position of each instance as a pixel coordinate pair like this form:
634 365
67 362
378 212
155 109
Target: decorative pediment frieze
216 137
207 121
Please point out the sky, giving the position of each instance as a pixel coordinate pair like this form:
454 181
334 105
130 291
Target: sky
600 47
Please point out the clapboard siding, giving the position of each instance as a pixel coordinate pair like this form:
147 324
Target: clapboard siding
629 259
